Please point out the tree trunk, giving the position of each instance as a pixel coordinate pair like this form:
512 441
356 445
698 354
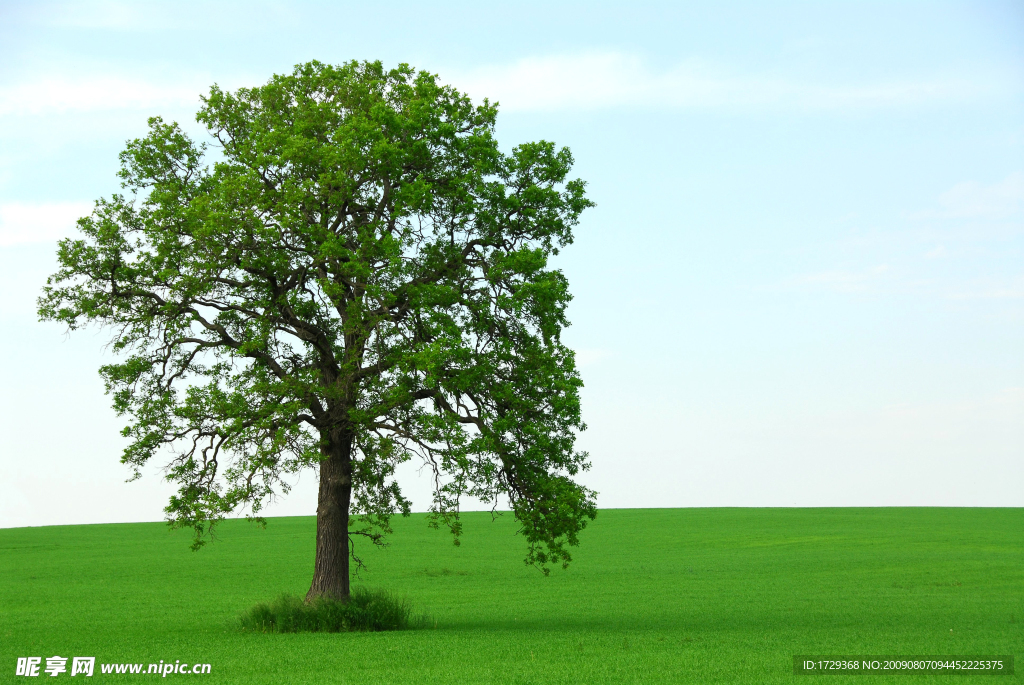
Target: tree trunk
330 570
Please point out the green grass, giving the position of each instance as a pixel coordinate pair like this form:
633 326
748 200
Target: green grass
654 596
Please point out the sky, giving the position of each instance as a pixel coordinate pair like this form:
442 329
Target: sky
802 283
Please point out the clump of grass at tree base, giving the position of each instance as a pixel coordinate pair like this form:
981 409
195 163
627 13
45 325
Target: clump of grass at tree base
364 610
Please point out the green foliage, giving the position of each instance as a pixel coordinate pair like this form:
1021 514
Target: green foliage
658 597
367 610
360 272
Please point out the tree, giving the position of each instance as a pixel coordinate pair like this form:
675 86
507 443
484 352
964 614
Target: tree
359 277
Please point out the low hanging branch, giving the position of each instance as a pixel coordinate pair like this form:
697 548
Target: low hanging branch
360 279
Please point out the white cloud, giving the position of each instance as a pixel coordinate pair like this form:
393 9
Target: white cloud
885 279
21 223
611 79
973 200
96 93
189 15
582 81
105 14
589 357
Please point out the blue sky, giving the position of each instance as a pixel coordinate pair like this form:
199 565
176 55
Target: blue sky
803 282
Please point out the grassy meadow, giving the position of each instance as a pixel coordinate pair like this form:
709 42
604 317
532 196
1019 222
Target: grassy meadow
653 596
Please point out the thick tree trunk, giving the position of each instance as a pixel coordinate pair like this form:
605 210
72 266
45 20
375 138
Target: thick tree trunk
330 569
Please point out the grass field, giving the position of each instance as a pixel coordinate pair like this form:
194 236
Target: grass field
654 596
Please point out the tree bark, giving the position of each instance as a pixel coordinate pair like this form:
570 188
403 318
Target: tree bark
331 567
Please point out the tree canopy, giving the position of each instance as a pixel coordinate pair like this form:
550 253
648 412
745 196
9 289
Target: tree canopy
349 275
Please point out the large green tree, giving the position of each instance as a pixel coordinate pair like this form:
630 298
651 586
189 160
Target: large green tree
358 276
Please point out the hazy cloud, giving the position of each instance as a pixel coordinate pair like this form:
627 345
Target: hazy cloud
609 79
991 288
847 281
973 200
